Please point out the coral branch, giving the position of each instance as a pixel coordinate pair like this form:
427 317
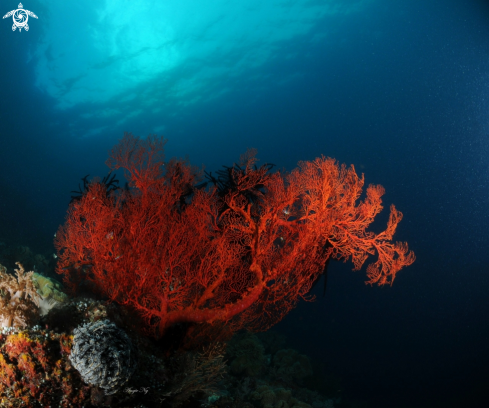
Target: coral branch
243 252
19 299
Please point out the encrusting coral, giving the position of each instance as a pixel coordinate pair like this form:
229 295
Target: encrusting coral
34 370
19 299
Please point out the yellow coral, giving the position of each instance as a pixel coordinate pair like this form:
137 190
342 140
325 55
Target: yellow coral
18 343
49 288
50 292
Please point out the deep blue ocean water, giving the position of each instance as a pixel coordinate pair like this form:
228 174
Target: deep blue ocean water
400 89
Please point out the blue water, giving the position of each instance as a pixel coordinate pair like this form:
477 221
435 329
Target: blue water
400 89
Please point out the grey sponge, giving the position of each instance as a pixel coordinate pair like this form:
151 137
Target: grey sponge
104 355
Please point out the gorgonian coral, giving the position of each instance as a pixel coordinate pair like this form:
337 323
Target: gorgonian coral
244 254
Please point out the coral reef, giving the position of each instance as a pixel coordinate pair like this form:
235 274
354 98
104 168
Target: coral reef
166 256
103 355
291 367
23 299
195 374
246 355
19 299
35 371
283 379
36 367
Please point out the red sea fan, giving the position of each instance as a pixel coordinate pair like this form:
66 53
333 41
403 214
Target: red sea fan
175 253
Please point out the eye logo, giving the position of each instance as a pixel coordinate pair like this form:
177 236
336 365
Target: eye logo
20 17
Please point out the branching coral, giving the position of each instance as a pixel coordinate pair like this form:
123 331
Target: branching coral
244 254
19 299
